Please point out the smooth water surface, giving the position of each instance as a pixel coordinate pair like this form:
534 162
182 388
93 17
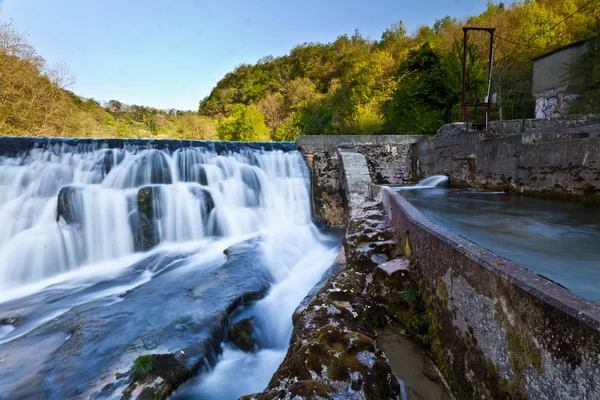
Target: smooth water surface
557 239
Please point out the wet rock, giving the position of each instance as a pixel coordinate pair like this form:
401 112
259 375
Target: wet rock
202 176
240 334
91 350
333 353
14 320
143 219
337 265
251 179
111 159
70 205
206 199
160 172
147 197
166 372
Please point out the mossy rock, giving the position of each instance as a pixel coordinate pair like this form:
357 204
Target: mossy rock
240 334
147 368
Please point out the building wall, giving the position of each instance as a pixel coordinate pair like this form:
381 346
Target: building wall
553 90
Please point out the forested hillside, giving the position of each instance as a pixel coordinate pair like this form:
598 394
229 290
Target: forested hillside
35 101
403 83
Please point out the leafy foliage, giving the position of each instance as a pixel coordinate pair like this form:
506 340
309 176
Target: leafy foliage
401 84
428 88
586 69
246 124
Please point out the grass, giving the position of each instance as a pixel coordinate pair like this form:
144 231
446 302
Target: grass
143 365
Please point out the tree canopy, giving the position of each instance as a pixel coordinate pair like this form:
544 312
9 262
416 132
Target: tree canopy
403 83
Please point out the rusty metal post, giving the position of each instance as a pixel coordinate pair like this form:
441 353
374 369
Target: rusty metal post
523 120
486 104
464 77
488 109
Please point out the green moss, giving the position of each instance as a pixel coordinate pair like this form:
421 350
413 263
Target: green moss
523 351
406 245
410 295
240 334
403 248
442 291
143 365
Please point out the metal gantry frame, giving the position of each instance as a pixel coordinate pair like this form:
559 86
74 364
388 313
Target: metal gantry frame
476 103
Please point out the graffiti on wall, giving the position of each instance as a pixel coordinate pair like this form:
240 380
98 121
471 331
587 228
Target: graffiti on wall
553 104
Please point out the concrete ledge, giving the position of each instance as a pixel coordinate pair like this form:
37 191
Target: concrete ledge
325 142
503 330
11 145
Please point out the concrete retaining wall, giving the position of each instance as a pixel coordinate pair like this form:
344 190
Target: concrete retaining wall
549 164
387 156
497 330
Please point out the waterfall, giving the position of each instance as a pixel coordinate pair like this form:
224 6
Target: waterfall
126 235
65 206
427 183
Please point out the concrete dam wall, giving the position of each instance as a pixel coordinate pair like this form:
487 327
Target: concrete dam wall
495 329
551 165
498 330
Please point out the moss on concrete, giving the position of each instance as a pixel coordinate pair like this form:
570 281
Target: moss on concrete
442 291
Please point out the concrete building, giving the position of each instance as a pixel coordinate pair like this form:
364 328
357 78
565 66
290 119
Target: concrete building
552 88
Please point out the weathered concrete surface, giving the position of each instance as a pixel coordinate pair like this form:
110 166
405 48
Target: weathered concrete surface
497 330
571 124
387 157
551 164
355 178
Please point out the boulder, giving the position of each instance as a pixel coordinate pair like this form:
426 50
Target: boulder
205 197
111 159
240 334
142 220
454 129
70 205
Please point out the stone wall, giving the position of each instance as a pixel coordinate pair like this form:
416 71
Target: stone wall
563 164
387 157
497 330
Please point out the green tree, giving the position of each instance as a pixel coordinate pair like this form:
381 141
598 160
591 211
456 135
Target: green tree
586 70
425 95
246 124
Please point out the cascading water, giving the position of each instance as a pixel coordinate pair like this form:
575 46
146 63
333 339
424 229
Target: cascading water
86 229
427 183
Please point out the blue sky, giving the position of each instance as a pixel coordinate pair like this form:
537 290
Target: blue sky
170 54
